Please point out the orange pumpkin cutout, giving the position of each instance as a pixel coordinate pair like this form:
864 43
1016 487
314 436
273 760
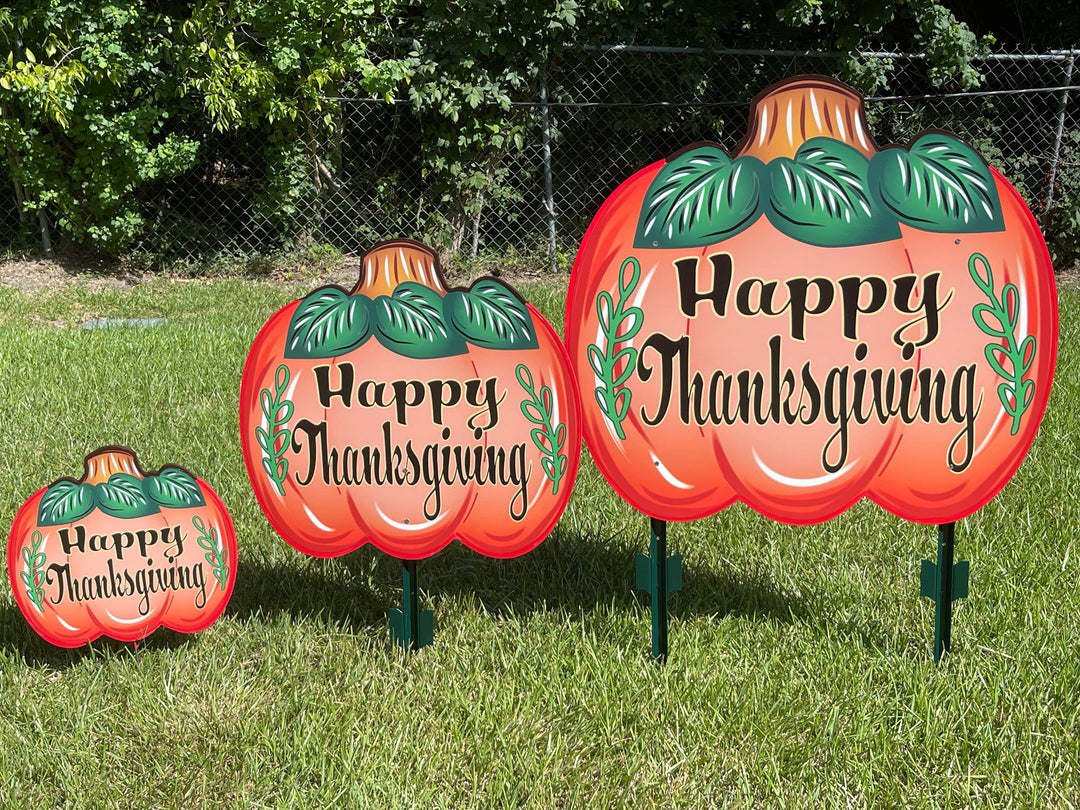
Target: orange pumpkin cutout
406 415
811 319
121 552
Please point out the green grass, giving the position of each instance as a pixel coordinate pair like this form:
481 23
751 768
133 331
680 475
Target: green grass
800 671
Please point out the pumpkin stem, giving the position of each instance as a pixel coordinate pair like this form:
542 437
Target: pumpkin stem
388 264
790 113
106 461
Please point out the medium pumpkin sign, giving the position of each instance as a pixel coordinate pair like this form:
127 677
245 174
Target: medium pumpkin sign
121 552
811 319
405 415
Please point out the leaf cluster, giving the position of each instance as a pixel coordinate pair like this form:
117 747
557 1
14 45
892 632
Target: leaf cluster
414 321
829 194
122 496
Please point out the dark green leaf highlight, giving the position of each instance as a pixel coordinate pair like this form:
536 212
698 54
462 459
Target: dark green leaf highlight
700 197
822 197
940 184
414 321
329 322
64 502
491 316
410 323
122 496
174 488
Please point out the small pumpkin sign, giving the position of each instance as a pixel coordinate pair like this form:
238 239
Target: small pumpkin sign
121 552
405 414
811 319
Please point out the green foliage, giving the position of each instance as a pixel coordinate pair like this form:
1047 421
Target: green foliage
1063 223
90 92
85 99
281 66
950 45
474 60
847 26
102 102
256 62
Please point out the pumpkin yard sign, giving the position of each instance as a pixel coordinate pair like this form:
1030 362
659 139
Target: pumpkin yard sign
407 415
811 319
121 552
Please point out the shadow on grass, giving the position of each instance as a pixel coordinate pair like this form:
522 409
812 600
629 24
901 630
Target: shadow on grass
309 587
579 574
305 588
572 572
17 635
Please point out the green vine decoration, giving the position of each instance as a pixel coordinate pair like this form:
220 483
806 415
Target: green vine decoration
549 439
1012 360
620 323
33 579
216 553
277 410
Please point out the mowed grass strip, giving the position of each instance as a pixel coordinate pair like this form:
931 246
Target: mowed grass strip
800 671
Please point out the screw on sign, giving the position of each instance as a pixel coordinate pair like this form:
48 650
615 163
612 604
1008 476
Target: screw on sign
121 552
811 320
405 415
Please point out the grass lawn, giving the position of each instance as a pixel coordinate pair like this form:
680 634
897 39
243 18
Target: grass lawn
800 674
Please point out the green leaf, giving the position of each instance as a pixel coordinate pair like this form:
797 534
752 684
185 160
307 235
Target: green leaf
410 323
822 197
700 197
328 323
940 184
490 315
122 496
64 502
174 488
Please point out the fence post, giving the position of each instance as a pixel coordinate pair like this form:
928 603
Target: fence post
1057 139
46 242
549 194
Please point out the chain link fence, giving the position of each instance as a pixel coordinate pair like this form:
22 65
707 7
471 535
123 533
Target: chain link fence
653 102
373 170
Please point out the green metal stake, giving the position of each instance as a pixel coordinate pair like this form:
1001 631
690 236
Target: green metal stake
659 575
410 627
943 583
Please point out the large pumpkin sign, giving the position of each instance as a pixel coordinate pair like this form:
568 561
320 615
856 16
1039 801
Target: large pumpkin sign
811 319
121 552
405 415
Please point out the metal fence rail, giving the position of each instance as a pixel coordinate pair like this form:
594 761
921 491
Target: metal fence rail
598 116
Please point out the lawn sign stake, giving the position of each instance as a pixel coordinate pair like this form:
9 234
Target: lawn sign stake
659 575
121 552
410 627
809 320
406 415
944 582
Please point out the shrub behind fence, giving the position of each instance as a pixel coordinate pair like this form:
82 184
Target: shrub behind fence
597 116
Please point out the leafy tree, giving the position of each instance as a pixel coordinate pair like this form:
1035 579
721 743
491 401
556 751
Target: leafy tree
281 66
85 99
474 60
102 100
848 26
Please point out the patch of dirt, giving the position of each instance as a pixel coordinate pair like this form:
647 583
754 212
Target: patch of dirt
35 275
